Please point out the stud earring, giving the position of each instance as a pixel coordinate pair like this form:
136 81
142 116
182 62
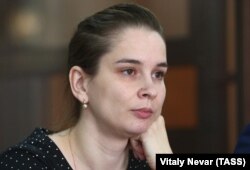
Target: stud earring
85 105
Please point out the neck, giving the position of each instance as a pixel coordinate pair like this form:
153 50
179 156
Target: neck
93 148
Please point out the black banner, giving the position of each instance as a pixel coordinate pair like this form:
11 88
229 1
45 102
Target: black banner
166 161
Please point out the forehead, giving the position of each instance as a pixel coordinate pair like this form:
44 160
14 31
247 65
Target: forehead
133 33
138 42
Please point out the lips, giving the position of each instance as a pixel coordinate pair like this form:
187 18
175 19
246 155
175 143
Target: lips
143 113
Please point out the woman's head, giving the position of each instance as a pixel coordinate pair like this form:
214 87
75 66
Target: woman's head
98 34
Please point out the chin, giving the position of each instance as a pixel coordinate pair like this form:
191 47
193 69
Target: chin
138 129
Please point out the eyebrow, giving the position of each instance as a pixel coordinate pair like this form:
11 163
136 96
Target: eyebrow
133 61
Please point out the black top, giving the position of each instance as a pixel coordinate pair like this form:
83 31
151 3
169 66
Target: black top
39 152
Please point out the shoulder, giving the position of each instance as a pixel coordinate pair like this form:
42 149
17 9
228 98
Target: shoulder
22 158
243 143
37 151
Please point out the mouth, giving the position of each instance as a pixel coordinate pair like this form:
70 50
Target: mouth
143 113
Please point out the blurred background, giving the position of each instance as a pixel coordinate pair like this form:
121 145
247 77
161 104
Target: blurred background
208 97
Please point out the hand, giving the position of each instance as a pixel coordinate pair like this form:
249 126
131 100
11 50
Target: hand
151 142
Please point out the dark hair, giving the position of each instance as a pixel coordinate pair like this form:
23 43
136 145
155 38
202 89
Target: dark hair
95 35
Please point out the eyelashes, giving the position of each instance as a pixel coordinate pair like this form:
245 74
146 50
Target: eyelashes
159 75
132 72
129 72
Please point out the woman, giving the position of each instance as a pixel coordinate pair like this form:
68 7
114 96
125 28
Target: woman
117 62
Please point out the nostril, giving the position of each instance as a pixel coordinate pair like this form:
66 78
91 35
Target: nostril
144 93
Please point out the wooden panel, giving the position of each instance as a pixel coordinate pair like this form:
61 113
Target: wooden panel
174 16
231 66
246 59
58 100
181 104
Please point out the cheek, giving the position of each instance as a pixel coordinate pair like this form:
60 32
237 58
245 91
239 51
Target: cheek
121 93
113 93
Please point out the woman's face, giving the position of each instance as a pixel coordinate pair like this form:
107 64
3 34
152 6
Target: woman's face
128 92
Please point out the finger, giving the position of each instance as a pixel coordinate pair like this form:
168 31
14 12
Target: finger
137 148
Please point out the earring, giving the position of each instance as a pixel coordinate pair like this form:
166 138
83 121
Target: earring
85 105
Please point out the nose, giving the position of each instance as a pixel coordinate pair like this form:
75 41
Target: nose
148 90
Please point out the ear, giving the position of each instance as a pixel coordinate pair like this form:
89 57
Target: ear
78 82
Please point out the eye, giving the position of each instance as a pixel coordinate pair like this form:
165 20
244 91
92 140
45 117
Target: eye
159 75
129 72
